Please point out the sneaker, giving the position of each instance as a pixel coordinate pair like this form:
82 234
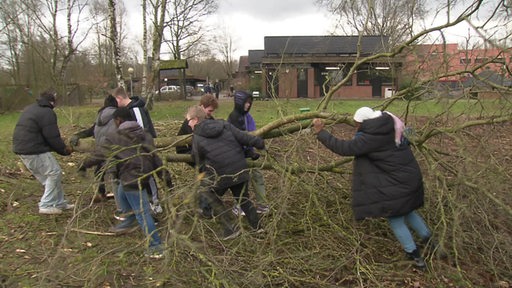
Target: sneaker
119 215
67 207
156 208
231 234
262 209
415 255
50 210
432 247
109 195
237 210
154 252
124 227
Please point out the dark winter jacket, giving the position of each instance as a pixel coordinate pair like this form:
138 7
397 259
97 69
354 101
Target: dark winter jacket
37 132
185 130
132 153
138 108
387 180
217 148
242 119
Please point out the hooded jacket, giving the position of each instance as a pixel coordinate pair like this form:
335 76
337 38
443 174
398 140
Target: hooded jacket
217 149
139 111
131 151
387 179
37 132
104 124
240 118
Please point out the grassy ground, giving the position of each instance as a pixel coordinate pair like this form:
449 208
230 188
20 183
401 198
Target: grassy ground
311 239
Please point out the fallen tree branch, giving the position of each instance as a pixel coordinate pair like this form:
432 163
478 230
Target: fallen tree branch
93 232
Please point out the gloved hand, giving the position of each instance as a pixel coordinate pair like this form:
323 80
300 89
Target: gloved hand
73 141
249 153
255 156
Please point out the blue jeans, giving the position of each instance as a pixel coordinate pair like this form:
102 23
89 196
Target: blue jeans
47 171
138 202
403 234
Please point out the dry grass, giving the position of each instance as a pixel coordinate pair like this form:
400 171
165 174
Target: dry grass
310 239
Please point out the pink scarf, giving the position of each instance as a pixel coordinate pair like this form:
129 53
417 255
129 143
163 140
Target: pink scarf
399 129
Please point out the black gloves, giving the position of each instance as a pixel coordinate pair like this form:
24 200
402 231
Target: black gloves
73 141
249 153
255 156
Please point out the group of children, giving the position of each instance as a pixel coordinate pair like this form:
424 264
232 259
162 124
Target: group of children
125 157
387 180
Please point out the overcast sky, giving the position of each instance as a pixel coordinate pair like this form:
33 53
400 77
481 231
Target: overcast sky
249 21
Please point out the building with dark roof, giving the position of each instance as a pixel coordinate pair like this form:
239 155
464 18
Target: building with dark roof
306 66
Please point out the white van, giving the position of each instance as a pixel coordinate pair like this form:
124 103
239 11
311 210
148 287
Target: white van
167 89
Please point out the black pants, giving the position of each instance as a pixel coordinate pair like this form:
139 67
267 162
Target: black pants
99 175
240 192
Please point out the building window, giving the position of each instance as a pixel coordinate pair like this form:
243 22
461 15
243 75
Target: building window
335 74
363 76
465 60
479 60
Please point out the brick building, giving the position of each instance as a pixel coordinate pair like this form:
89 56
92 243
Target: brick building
301 66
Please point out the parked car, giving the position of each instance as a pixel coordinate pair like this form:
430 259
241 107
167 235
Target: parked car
200 87
190 90
170 88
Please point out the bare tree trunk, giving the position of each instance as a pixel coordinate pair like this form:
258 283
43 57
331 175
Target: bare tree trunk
144 51
114 39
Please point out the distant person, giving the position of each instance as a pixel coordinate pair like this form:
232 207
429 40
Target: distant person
231 91
103 125
35 136
132 154
242 119
141 114
217 150
387 180
209 104
207 88
216 87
